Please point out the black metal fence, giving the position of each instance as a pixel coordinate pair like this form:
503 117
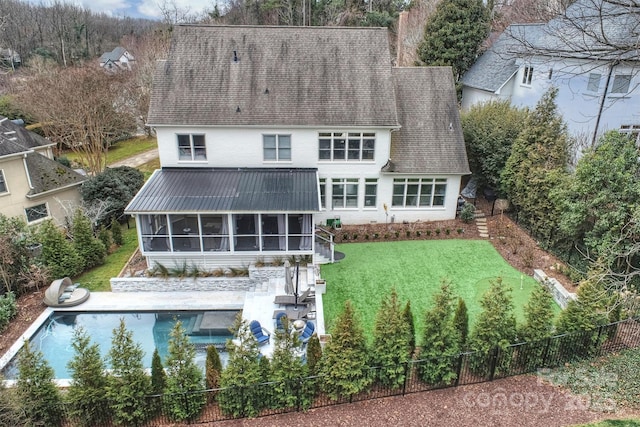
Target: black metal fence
467 368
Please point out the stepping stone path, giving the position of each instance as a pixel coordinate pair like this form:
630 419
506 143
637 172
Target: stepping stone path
481 223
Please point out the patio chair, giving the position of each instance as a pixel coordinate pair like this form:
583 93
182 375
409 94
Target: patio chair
307 332
280 316
259 333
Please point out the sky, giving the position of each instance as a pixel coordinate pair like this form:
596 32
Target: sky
149 9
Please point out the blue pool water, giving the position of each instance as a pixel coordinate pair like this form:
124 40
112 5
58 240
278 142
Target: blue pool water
150 330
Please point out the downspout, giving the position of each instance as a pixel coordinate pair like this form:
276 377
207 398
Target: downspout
601 108
26 170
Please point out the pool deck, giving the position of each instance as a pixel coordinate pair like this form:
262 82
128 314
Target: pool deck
257 305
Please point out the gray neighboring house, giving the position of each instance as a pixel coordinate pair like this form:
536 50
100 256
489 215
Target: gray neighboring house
268 135
33 186
116 60
597 83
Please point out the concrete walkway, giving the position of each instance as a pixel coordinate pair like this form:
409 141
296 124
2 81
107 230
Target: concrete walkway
138 159
481 223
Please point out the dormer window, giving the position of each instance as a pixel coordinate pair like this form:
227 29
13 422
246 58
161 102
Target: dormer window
191 147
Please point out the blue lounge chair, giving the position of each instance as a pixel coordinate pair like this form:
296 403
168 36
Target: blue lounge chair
279 320
307 332
260 334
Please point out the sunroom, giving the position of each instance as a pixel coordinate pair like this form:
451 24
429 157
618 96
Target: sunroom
225 217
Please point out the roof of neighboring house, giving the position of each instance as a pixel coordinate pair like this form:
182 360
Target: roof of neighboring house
228 190
430 140
272 76
16 139
44 174
114 55
579 33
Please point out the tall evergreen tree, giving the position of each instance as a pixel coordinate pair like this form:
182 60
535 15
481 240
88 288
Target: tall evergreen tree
314 354
588 311
440 340
390 352
91 250
287 371
343 366
496 324
116 232
11 411
213 367
158 376
538 315
240 396
128 383
184 378
461 323
453 35
411 328
58 254
87 397
37 390
537 165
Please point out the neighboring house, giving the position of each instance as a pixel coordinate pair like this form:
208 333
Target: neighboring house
264 133
33 186
116 60
597 82
10 57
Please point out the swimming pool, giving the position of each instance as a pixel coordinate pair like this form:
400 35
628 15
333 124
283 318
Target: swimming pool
150 329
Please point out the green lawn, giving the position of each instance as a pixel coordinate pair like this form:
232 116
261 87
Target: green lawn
123 149
415 268
614 423
97 279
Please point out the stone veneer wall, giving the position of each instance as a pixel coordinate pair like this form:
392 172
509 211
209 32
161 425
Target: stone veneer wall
560 295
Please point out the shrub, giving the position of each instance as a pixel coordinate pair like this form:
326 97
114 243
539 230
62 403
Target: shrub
213 367
64 161
158 376
314 354
105 237
116 232
438 231
376 235
460 230
447 231
428 232
355 236
287 372
58 254
366 237
8 309
91 250
418 233
386 236
468 212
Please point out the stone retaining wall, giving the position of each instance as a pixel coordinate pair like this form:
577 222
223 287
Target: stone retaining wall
560 295
156 284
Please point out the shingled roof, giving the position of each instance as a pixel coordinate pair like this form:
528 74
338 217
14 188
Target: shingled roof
271 76
430 140
15 139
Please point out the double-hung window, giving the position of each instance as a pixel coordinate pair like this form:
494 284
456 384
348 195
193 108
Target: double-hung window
594 82
323 193
370 192
3 183
419 192
344 193
527 76
621 84
346 146
276 148
191 147
37 212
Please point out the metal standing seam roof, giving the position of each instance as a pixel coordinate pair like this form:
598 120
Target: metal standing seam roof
228 190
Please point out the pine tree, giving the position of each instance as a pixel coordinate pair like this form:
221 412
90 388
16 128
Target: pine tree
184 378
116 232
411 328
105 237
37 390
240 395
587 312
11 411
213 367
453 35
461 324
58 254
287 372
314 354
158 376
440 340
390 352
91 250
538 316
537 165
87 396
128 383
343 366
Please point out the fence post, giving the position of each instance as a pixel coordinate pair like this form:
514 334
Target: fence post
406 377
545 353
493 362
596 349
459 368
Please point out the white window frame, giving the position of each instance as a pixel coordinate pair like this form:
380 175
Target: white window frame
527 75
425 190
621 84
323 193
4 188
348 193
346 146
370 200
632 130
279 149
192 153
40 218
593 85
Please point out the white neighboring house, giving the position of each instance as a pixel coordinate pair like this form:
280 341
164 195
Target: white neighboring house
116 60
597 83
265 133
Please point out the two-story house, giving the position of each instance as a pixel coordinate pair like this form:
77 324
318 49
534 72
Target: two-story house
266 132
589 53
33 186
118 59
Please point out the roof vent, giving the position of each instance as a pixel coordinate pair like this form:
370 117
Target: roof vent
450 126
235 56
266 91
238 109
